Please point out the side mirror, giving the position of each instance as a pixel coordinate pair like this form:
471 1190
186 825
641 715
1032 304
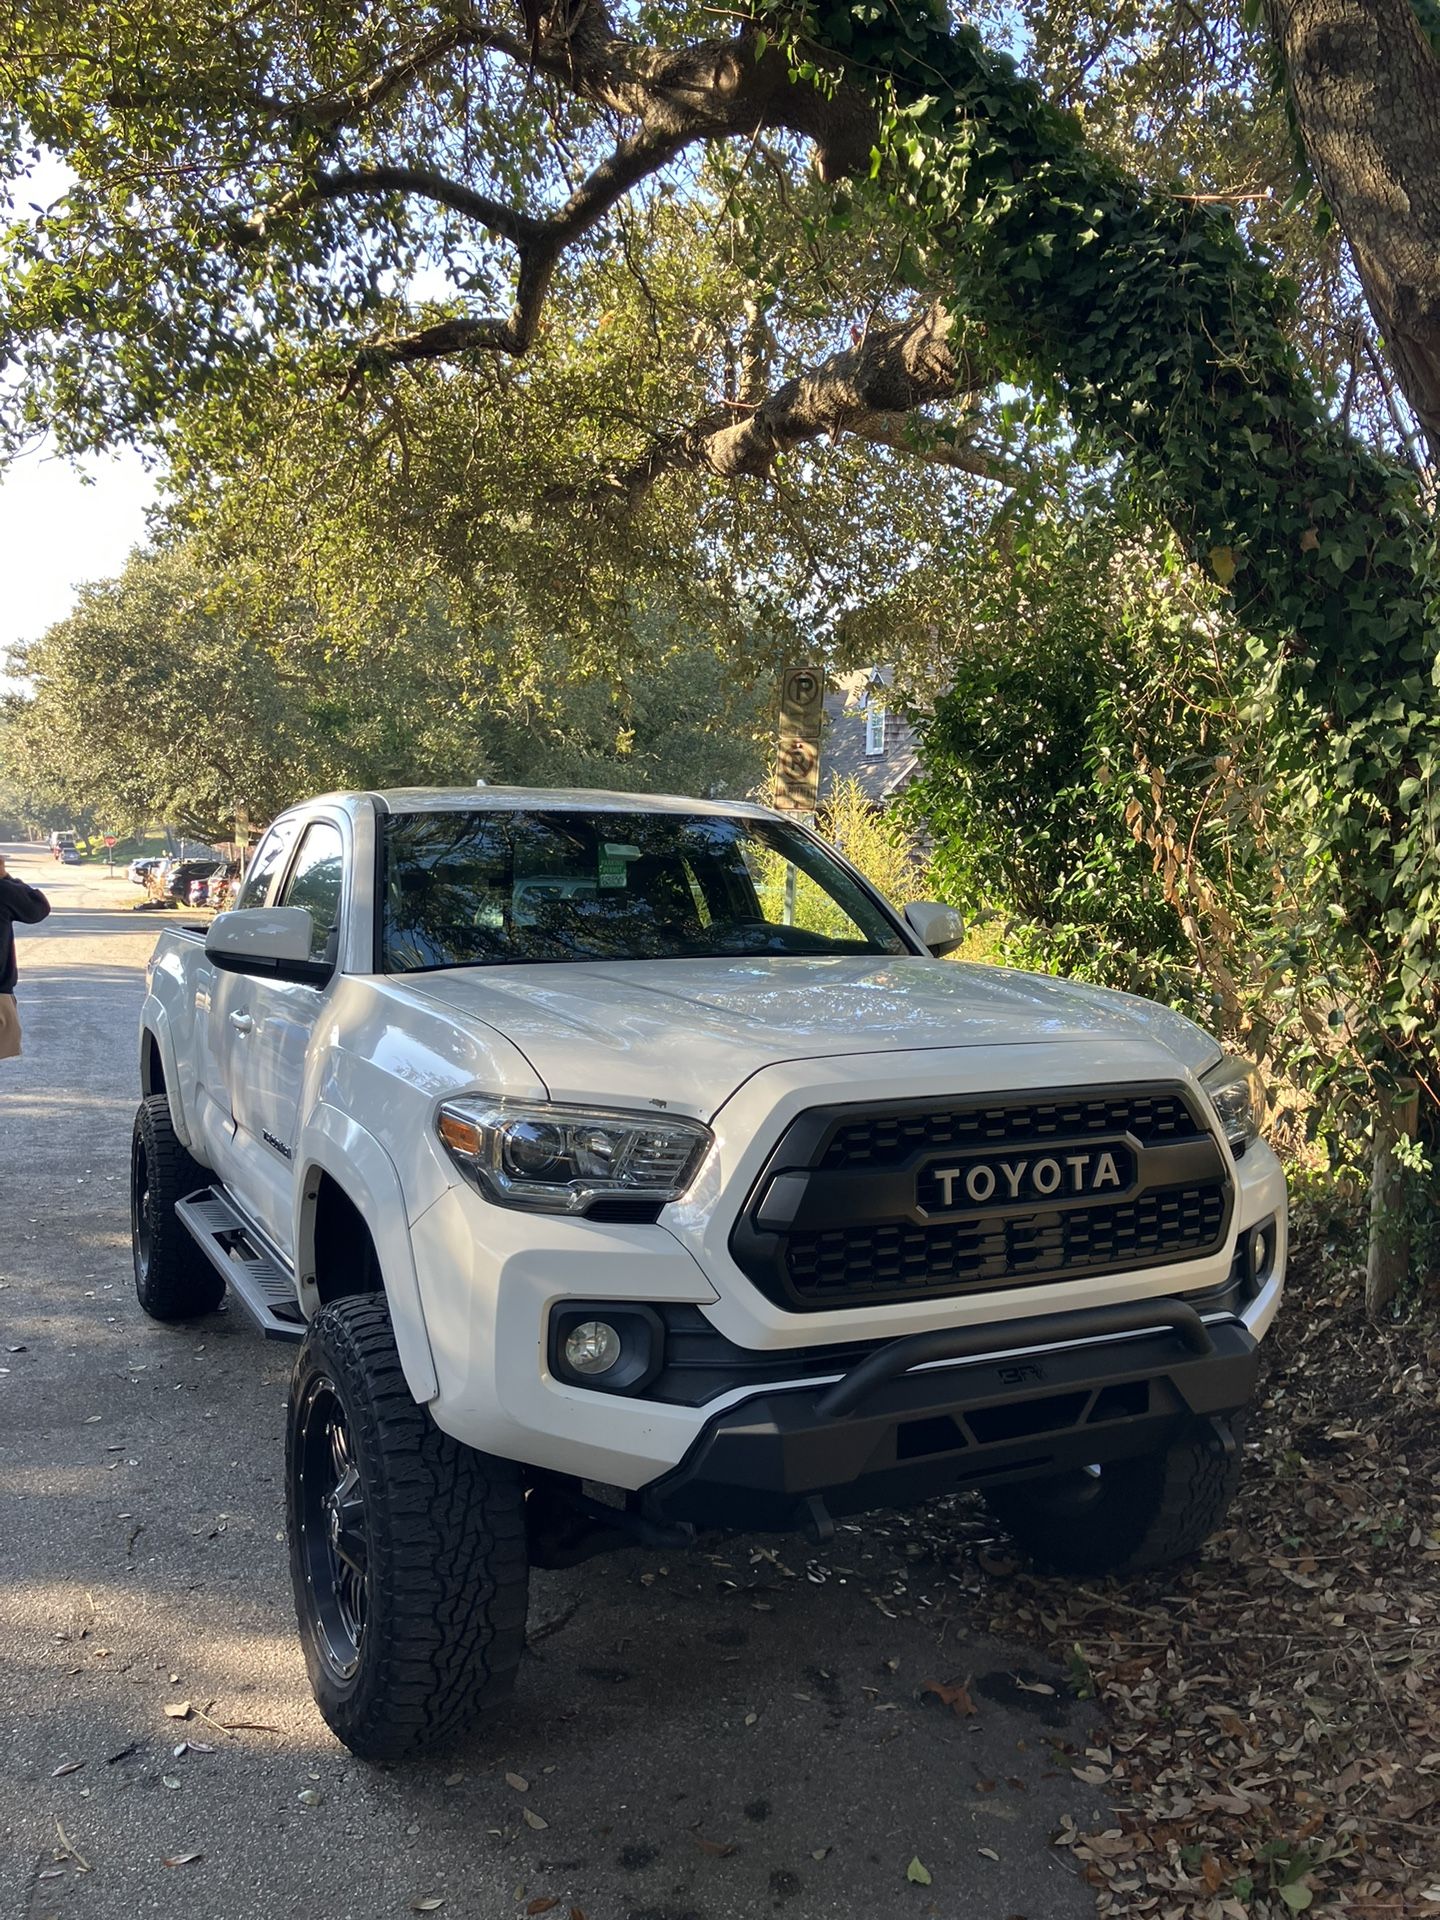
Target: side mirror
939 928
271 942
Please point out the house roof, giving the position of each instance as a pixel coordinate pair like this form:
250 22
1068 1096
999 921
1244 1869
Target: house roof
880 776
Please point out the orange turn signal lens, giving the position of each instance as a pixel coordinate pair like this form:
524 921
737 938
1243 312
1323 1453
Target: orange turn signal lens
462 1136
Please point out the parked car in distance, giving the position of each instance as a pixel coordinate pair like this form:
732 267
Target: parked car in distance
211 889
170 880
69 856
59 842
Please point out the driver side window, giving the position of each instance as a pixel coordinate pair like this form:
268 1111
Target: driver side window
315 883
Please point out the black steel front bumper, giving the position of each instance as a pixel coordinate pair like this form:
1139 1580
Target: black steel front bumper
887 1436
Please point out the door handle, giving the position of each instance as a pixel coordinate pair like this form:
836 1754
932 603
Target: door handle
241 1022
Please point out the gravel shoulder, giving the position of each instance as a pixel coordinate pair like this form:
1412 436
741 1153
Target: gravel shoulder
695 1737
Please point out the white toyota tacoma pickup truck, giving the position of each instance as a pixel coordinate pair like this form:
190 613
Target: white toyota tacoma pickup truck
627 1167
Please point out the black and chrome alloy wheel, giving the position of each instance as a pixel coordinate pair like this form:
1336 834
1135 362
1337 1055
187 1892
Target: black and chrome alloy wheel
334 1539
142 1221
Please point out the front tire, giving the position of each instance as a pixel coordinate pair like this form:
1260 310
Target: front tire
173 1279
1127 1516
407 1549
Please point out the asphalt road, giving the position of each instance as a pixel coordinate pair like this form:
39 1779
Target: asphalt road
711 1736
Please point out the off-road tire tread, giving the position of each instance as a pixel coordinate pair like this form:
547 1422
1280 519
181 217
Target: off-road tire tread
448 1564
1164 1507
180 1283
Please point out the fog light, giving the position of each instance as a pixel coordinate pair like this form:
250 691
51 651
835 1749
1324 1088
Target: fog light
606 1346
1259 1256
592 1347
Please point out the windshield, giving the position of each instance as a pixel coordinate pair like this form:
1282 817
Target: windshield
490 888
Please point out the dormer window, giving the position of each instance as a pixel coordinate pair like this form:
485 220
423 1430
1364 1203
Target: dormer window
874 727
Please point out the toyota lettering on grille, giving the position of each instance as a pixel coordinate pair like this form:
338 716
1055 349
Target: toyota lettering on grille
1023 1178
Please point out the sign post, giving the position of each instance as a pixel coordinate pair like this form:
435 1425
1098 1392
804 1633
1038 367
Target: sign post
110 853
797 757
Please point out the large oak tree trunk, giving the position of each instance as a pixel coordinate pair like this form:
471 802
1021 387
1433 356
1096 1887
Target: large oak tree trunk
1364 83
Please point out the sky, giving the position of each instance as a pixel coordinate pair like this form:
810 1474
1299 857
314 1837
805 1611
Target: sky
57 531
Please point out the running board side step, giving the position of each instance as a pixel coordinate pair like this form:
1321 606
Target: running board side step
256 1279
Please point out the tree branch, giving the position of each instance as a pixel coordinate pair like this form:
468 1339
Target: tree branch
673 98
414 182
871 389
328 111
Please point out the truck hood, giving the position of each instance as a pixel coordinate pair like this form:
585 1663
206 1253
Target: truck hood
692 1031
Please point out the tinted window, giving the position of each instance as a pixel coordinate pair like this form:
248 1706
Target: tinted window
314 884
487 887
269 858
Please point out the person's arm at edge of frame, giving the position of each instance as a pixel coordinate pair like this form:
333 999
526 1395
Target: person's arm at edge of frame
20 900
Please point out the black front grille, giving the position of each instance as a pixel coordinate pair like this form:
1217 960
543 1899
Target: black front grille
962 1256
890 1139
860 1207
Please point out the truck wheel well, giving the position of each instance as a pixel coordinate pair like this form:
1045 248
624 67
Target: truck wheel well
152 1068
345 1258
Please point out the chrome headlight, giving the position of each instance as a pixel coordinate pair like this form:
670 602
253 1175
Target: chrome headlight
562 1159
1237 1094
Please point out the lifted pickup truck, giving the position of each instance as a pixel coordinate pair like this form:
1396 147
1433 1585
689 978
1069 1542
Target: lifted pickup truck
627 1167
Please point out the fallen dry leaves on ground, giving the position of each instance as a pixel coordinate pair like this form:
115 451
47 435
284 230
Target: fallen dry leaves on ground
1272 1710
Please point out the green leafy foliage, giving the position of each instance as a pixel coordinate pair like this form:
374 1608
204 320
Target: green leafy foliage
1086 673
1145 316
179 692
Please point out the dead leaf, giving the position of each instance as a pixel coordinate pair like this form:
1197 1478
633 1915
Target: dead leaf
989 1853
1033 1686
67 1766
170 1780
720 1849
428 1903
67 1849
309 1797
542 1905
533 1819
1310 540
177 1710
953 1694
181 1859
518 1782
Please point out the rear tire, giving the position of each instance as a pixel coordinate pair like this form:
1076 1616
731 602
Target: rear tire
1128 1516
407 1549
173 1279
